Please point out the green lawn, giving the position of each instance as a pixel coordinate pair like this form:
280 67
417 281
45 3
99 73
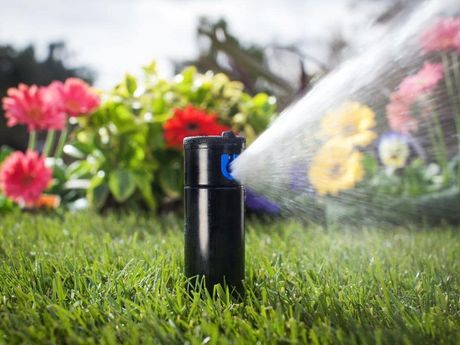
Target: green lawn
91 279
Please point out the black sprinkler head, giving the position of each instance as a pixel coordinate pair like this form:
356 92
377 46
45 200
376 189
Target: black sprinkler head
214 211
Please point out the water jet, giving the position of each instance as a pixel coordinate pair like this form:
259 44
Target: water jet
377 141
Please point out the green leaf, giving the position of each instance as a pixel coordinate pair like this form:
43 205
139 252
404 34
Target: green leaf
123 118
171 179
78 149
158 105
78 169
59 169
144 184
188 74
155 137
151 68
5 151
122 184
260 100
97 192
6 205
370 164
131 84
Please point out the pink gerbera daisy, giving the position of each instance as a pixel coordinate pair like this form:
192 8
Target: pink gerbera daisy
24 177
34 107
411 89
424 81
441 36
399 117
457 42
77 98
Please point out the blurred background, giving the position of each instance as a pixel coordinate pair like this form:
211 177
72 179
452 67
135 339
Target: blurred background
279 47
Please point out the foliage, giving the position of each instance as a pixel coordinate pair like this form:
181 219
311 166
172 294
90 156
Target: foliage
84 279
121 148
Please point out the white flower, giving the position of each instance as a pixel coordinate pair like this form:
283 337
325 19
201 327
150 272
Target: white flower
394 150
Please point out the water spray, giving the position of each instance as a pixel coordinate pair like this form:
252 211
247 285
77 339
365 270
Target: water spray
330 157
214 211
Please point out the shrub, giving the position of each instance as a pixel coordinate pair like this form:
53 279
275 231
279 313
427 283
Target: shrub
121 151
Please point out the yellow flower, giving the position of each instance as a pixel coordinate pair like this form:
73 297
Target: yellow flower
353 122
336 167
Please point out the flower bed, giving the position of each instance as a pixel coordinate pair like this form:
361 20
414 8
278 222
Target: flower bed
123 148
407 167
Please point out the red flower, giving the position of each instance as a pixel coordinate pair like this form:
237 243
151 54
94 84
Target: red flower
23 177
189 122
34 107
76 97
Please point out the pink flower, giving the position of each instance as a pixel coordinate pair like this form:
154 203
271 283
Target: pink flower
410 91
399 117
424 81
34 107
76 96
457 42
441 36
23 177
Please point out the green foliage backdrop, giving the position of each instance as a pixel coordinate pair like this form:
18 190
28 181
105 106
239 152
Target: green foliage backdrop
120 150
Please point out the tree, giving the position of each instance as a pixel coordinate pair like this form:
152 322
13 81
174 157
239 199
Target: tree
256 67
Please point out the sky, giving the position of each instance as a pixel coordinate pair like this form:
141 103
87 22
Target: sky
117 36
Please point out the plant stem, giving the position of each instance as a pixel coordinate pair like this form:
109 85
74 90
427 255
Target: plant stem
455 105
61 142
32 141
49 142
439 150
443 151
456 71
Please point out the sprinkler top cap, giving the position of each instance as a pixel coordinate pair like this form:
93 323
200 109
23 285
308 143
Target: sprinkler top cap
228 134
227 139
207 160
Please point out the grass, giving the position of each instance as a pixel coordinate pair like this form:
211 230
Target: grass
90 279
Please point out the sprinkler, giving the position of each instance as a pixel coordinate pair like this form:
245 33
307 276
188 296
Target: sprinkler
214 211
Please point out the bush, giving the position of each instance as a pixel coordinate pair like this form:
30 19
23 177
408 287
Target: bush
121 150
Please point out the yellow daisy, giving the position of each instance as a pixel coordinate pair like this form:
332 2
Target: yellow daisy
353 122
336 167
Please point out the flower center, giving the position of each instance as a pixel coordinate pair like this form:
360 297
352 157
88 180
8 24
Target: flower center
27 180
349 129
34 114
191 126
335 170
73 106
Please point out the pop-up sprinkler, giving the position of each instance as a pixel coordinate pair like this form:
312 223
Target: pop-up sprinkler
214 211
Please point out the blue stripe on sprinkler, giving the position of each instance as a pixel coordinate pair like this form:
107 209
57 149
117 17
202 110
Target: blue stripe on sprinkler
225 160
